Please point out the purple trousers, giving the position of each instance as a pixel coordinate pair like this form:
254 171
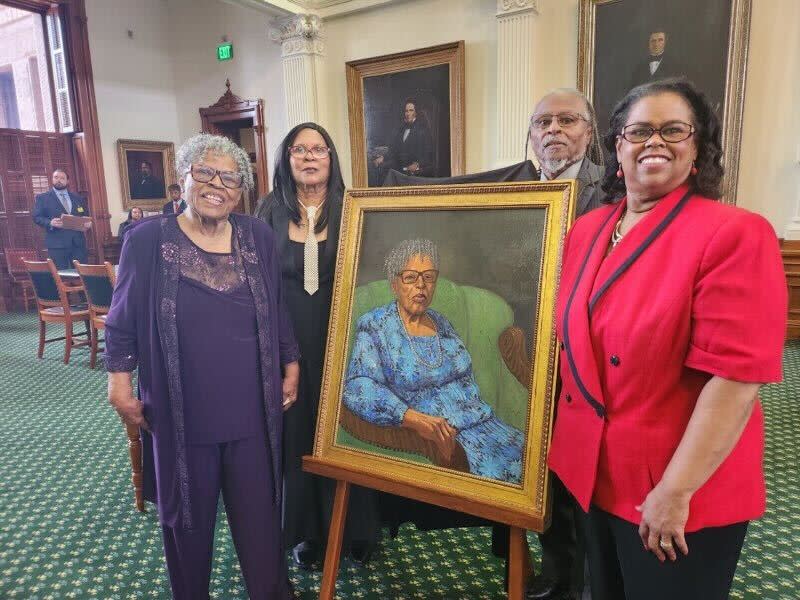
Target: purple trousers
241 470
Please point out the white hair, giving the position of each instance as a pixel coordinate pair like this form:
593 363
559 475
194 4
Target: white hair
399 256
197 147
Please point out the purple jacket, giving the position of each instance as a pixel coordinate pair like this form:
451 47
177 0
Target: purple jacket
141 331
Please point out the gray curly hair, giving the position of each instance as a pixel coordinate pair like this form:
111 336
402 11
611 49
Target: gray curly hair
399 256
198 146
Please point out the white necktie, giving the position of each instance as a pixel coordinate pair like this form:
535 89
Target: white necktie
310 254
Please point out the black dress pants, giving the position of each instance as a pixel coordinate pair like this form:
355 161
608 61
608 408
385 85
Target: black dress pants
563 551
620 568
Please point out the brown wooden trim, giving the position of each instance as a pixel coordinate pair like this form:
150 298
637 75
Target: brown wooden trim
40 6
76 39
790 252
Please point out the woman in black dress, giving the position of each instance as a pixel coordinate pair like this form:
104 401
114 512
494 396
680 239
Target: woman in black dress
308 189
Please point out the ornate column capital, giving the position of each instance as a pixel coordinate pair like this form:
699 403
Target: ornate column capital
298 35
513 7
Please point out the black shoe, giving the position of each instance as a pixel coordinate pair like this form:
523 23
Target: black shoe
543 588
361 552
305 554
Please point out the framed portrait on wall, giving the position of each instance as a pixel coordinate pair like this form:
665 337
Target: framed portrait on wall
439 372
624 43
407 113
146 169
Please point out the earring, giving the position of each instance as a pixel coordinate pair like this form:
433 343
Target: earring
619 173
694 169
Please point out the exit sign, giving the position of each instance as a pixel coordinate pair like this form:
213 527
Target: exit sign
225 51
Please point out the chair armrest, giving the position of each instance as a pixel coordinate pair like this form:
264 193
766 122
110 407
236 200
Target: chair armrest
511 344
402 439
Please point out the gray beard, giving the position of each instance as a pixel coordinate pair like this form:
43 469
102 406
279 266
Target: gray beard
554 166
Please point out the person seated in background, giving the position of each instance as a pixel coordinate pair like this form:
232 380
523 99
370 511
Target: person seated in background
134 214
411 369
175 205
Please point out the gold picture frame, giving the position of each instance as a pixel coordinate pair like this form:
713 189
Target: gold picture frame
712 52
150 192
378 89
525 224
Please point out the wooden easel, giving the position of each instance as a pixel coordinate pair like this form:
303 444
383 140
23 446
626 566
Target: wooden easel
517 559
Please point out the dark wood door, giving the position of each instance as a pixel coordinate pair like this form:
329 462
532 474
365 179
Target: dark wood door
27 160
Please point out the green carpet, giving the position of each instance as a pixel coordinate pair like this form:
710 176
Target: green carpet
68 528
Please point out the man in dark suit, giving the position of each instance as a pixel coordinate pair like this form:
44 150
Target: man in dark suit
412 144
145 185
63 245
563 130
658 64
175 205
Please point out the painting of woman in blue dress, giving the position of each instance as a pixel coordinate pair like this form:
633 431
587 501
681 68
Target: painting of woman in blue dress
410 369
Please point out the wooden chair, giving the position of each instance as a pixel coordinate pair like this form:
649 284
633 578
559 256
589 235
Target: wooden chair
54 307
19 274
98 283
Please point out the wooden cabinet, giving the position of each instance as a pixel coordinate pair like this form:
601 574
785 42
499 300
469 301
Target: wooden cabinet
790 250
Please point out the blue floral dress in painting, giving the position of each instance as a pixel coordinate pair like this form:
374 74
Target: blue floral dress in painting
387 376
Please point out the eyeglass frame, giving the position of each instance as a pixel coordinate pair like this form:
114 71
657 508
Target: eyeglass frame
217 173
654 130
419 274
309 151
579 116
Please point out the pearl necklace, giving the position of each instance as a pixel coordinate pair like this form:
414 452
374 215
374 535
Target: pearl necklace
617 235
420 358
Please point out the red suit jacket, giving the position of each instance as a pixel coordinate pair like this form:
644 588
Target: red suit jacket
695 289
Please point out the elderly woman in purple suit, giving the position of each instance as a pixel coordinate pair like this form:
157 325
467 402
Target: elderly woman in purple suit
198 310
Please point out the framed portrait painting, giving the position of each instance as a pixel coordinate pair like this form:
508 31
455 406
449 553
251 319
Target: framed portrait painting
439 372
146 169
624 43
407 114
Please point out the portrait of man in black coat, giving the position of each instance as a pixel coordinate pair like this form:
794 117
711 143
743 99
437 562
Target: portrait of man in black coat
145 185
658 64
410 150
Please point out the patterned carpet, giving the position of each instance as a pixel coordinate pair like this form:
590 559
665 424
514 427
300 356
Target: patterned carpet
68 528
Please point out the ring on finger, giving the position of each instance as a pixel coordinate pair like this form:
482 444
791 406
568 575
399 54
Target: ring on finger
665 544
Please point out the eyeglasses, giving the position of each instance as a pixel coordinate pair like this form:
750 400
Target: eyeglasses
677 131
315 151
410 276
565 120
204 174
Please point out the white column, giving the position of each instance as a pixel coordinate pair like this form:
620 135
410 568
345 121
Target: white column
516 20
792 231
302 49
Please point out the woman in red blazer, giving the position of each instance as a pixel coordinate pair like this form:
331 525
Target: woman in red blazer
671 313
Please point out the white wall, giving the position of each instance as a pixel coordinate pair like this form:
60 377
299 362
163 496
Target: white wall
255 71
407 26
133 80
151 86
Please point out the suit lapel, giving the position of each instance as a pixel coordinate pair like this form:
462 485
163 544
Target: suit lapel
637 241
280 226
575 325
587 183
334 219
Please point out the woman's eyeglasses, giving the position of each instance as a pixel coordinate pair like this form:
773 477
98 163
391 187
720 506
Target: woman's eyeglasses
410 277
319 152
677 131
204 174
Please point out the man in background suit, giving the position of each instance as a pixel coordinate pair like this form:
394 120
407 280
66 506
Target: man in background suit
63 245
562 131
175 205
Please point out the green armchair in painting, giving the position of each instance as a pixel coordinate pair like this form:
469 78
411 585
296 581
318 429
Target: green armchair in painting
484 323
